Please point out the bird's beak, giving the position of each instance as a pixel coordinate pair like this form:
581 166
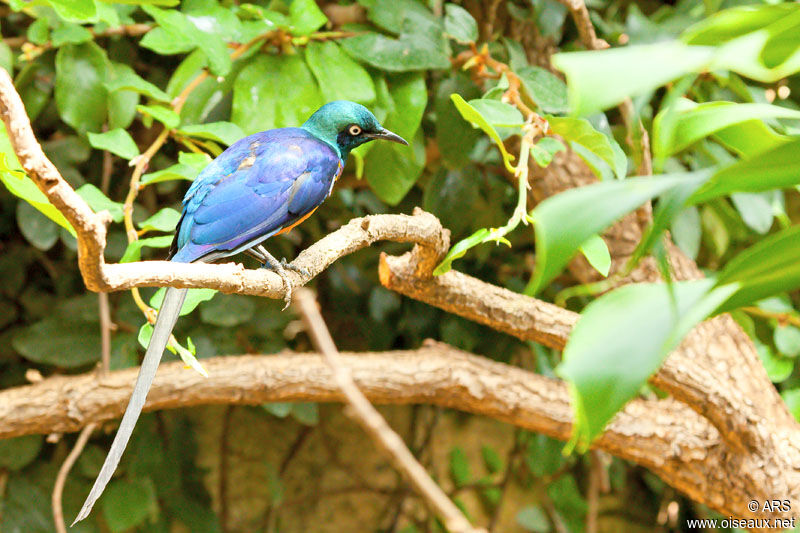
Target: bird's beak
386 135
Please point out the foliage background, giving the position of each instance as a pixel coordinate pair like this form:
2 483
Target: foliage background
100 79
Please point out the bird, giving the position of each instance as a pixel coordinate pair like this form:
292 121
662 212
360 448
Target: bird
262 185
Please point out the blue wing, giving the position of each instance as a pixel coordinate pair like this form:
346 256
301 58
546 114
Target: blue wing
260 185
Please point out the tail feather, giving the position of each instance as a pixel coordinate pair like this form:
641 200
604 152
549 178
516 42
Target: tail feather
167 317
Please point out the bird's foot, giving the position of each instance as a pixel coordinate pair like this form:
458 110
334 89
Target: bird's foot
280 270
294 268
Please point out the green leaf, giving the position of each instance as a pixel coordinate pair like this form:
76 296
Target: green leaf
498 113
100 202
735 22
39 31
545 149
274 92
59 342
544 88
454 140
773 169
491 459
128 502
19 185
134 250
70 33
459 24
565 221
532 518
473 116
128 79
338 75
307 413
459 466
792 399
74 10
228 310
621 339
194 297
406 53
80 94
391 170
787 340
121 103
174 172
278 409
450 194
178 34
165 115
755 210
597 80
18 452
305 17
596 252
581 131
460 248
164 220
696 122
686 231
225 132
116 141
778 368
769 267
37 229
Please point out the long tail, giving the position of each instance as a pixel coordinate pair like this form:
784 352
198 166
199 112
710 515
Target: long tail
167 316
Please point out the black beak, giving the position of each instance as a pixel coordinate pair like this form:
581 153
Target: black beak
387 135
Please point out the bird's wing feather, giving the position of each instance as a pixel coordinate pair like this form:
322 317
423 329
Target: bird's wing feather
260 185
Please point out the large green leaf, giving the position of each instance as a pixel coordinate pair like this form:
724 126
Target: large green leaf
116 141
695 122
21 186
100 202
194 297
773 169
544 88
421 44
134 250
455 142
164 220
37 229
81 72
597 80
459 24
565 221
338 75
127 79
770 267
305 16
273 92
59 342
225 132
580 131
621 339
474 117
497 113
128 503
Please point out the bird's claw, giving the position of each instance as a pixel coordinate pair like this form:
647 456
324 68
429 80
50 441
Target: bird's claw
280 269
294 268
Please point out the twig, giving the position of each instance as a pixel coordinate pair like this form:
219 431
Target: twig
783 318
63 472
373 423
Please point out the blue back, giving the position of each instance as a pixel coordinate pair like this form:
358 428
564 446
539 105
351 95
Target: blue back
260 185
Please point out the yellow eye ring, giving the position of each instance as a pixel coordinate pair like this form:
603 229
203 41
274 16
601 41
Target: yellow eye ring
354 130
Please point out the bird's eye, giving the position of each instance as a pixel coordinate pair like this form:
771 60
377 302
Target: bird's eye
354 130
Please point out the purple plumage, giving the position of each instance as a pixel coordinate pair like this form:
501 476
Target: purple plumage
258 186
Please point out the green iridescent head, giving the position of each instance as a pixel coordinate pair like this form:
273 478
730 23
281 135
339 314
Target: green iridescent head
346 125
